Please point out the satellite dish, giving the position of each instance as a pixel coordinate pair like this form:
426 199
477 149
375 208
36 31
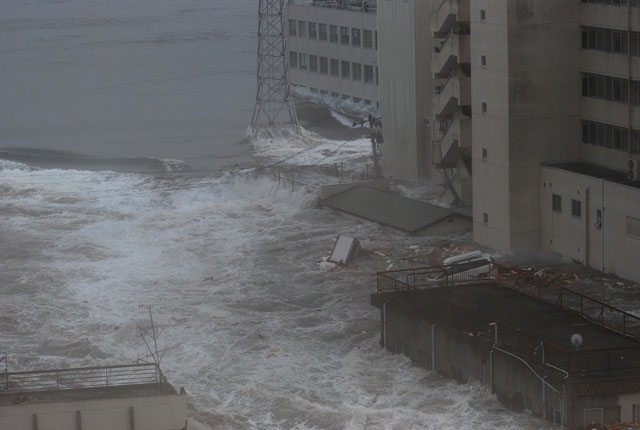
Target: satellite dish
576 340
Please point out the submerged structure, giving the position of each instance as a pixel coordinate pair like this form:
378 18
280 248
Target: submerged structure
566 357
125 397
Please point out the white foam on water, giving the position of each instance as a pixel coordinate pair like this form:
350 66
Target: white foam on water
13 165
337 104
342 119
259 337
310 149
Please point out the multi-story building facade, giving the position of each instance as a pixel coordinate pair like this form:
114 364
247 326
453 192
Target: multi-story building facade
555 97
332 48
544 97
451 69
406 87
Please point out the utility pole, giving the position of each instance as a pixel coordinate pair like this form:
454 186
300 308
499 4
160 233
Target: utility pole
375 130
273 107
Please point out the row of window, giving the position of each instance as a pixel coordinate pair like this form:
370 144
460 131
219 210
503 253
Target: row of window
576 206
634 3
607 40
332 33
334 67
610 88
611 136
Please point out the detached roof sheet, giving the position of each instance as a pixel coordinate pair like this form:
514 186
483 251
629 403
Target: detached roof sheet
399 212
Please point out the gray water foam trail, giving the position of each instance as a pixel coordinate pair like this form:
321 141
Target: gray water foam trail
259 335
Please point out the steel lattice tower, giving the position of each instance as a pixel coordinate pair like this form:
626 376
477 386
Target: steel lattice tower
273 105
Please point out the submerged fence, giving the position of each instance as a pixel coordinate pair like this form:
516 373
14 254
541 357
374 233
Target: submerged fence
80 378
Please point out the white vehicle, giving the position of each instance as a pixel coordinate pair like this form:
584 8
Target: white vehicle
460 268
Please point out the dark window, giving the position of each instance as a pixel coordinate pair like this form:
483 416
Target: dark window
356 71
324 65
556 203
302 64
313 63
483 60
485 218
635 142
334 67
607 87
313 30
367 35
355 36
484 107
344 35
323 31
293 59
576 208
292 27
483 14
345 68
333 33
368 74
302 27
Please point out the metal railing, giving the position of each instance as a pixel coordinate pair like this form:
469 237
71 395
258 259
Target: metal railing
428 277
440 88
353 6
443 42
557 294
80 378
529 348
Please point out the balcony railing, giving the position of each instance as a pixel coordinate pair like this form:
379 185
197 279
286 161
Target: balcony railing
353 6
80 378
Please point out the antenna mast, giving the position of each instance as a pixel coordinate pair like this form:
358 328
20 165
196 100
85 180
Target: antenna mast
273 105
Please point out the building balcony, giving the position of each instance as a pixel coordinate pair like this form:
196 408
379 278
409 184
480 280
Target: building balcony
449 52
455 134
609 16
452 14
455 89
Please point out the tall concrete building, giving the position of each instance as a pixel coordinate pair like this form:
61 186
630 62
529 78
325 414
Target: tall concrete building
332 48
555 97
526 104
406 86
543 96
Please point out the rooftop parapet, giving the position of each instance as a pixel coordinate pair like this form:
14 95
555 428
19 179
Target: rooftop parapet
103 381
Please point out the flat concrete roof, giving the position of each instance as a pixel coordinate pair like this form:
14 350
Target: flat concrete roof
532 317
596 171
390 209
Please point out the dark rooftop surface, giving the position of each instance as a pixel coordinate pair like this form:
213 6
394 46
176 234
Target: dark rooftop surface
399 212
532 317
122 391
596 171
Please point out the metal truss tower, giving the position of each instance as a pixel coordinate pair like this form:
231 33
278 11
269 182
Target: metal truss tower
273 104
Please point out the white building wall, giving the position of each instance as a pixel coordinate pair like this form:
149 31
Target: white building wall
609 248
526 111
406 87
150 412
357 89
